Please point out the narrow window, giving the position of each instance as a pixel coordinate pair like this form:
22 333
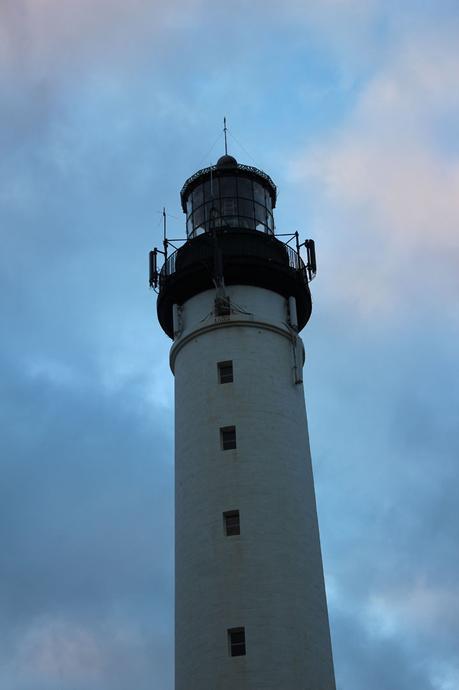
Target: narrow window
225 372
222 306
232 523
228 207
236 641
228 437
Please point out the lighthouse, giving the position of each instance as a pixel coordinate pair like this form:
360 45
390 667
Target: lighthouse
250 602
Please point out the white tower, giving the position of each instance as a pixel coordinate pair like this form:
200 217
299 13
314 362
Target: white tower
251 610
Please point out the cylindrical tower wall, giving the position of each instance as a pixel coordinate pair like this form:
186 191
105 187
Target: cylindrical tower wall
269 579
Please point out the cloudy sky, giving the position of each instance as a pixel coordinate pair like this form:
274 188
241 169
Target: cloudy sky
352 107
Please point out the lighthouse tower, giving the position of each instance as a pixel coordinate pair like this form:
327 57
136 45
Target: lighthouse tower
250 603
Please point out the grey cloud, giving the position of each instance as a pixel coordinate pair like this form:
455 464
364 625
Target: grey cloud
365 661
385 448
86 503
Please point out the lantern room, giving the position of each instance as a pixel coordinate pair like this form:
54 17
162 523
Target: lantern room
228 196
230 240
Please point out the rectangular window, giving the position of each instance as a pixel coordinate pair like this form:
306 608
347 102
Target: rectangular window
228 207
260 213
232 523
228 186
211 188
244 188
228 437
225 372
236 641
258 193
198 196
246 209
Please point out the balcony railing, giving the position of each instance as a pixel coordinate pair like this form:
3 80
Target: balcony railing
283 255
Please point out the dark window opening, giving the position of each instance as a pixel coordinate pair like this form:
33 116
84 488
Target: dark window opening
211 188
228 207
222 306
258 193
228 437
228 186
244 188
225 372
236 641
232 523
198 196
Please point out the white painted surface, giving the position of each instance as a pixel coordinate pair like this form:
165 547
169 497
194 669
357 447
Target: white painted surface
269 579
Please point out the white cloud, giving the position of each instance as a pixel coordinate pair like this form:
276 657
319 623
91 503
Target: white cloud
388 180
54 649
422 608
45 36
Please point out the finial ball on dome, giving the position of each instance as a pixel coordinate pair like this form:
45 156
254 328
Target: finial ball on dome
227 161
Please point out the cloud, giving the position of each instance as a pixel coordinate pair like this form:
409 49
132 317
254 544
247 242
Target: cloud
372 661
422 608
389 178
47 36
109 654
86 562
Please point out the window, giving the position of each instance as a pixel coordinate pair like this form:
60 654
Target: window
228 207
260 213
225 372
269 202
232 523
222 306
198 196
244 188
198 216
228 437
228 186
211 188
212 212
259 193
236 641
231 201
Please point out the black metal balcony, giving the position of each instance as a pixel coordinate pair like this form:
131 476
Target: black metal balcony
244 258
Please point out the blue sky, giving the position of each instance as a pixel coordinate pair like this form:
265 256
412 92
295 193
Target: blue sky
106 107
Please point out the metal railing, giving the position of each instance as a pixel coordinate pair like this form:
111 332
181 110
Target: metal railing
294 259
205 253
168 268
240 167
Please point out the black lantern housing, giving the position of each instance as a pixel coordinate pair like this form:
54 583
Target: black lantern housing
230 241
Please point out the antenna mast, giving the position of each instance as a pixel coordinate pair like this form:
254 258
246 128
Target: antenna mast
225 130
165 232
